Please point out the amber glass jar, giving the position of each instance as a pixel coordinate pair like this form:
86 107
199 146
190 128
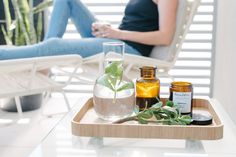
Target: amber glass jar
147 88
181 93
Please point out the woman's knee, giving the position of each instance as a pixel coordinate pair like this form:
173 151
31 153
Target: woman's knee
52 41
60 1
49 45
2 54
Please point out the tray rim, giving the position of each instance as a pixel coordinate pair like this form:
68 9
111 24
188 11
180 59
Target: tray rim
217 128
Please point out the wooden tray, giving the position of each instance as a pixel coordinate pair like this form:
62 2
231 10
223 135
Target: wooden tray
86 123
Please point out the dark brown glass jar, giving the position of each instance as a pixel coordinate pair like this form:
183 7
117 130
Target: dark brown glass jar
147 88
181 93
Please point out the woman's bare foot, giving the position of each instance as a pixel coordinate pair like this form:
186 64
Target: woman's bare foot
45 72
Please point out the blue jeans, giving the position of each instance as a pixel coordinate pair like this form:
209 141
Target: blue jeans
53 43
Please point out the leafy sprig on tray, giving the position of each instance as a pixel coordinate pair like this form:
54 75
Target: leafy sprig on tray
159 114
112 78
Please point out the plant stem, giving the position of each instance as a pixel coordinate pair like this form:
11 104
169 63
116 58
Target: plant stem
134 118
114 99
39 28
21 21
131 118
158 121
9 32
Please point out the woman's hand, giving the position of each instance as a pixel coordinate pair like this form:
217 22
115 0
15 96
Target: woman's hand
104 30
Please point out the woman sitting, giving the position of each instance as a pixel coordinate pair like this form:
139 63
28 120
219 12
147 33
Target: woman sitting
146 23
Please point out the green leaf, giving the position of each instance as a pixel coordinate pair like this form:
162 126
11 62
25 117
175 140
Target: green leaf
19 37
115 69
104 80
157 105
157 116
8 20
6 37
164 115
171 111
23 6
13 25
142 121
113 80
185 119
169 103
30 18
19 16
167 122
22 25
174 122
146 114
39 29
43 5
125 86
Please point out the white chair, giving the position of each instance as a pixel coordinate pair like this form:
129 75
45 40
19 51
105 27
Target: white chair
163 57
21 77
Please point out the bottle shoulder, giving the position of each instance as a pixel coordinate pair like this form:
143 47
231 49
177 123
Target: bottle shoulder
151 80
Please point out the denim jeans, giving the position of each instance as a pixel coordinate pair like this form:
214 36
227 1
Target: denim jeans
53 43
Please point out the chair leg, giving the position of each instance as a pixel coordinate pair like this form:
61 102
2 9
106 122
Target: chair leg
100 67
66 100
45 101
128 68
166 74
18 106
171 77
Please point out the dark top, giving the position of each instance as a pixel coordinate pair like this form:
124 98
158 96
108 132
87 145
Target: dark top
141 16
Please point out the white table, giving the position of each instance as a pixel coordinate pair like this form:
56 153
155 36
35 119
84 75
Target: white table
61 143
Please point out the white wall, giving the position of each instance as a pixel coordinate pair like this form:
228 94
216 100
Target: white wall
225 64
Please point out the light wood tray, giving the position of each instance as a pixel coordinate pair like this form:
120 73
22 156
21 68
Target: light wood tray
86 123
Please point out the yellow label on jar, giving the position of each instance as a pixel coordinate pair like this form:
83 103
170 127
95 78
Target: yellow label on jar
147 89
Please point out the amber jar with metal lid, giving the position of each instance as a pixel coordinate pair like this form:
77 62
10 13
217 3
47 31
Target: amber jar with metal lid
181 93
147 88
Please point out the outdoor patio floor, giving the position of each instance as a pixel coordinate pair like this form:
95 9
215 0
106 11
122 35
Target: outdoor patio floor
18 137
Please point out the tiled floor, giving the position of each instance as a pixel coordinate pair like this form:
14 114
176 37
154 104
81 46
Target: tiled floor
19 136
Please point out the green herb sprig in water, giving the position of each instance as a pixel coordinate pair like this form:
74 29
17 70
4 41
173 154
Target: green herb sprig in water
159 114
112 78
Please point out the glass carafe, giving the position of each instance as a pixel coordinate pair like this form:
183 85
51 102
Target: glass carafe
113 94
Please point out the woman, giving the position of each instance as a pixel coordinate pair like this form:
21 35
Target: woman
146 23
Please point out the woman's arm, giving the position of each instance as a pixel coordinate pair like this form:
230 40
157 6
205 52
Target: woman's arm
167 21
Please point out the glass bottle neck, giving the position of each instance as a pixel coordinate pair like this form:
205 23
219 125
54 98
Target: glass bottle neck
148 72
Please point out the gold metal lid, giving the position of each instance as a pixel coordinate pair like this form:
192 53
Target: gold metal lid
181 83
